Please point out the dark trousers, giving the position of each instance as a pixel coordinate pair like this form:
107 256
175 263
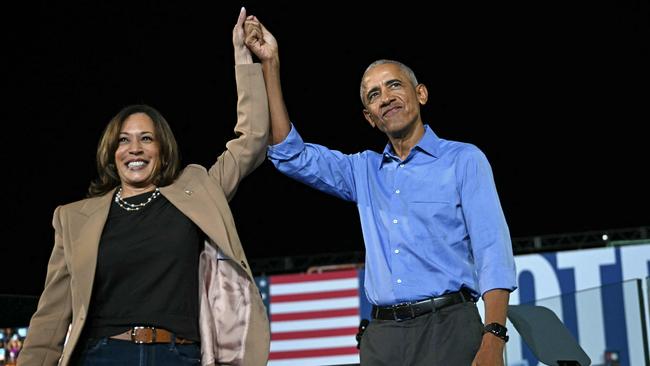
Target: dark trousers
449 336
110 352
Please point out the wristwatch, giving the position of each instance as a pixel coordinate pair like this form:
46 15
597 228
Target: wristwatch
496 329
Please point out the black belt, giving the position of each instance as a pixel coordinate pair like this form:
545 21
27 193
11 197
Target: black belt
411 310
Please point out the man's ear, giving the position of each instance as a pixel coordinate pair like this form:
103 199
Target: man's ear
369 118
422 94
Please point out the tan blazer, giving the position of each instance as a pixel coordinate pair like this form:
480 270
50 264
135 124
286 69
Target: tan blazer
233 322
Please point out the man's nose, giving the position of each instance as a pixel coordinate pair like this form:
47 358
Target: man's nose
386 95
386 99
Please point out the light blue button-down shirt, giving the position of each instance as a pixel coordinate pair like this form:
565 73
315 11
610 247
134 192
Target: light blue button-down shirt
432 223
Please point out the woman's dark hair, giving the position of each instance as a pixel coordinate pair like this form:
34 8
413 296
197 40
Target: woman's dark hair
169 166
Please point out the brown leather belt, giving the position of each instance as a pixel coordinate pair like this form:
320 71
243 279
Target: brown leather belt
150 335
412 310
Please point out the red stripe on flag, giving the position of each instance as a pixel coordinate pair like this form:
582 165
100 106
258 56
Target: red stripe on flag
314 333
314 314
314 353
315 295
304 277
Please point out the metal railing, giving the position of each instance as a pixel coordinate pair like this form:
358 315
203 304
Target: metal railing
524 245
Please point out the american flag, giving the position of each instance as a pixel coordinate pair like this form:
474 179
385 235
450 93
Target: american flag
314 317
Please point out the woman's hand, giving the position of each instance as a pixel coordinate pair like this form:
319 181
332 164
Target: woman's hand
242 53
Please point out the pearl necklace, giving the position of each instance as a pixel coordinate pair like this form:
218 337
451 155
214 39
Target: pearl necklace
134 207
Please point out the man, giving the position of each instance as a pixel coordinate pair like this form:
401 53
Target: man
435 234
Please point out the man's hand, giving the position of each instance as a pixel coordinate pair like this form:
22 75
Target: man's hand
260 41
496 308
491 351
242 53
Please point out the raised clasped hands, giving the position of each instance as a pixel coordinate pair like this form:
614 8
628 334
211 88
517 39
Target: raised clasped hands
259 40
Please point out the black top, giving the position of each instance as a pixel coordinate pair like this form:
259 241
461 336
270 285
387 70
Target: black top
147 271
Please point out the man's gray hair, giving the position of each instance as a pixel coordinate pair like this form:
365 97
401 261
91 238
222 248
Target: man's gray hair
404 68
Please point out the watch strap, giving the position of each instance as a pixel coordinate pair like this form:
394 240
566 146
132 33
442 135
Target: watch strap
497 329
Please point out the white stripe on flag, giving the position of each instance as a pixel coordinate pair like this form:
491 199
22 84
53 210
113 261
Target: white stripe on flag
316 361
314 305
325 323
314 343
313 286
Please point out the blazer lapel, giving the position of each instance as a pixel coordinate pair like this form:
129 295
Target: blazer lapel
188 196
89 225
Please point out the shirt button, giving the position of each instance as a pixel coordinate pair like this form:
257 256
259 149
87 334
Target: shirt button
396 251
397 191
395 221
399 281
401 165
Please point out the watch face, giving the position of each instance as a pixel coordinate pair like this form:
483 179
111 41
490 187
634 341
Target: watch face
495 327
498 330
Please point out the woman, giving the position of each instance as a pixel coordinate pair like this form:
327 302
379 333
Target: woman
122 282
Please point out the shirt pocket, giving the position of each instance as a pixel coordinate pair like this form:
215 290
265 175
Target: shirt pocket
431 218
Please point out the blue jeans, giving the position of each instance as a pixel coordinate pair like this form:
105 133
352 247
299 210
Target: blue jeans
108 352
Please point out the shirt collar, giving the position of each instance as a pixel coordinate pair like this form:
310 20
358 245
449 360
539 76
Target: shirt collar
429 143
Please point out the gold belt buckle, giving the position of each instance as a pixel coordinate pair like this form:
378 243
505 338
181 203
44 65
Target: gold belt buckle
135 334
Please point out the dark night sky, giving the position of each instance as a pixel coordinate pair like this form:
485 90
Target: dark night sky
555 93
